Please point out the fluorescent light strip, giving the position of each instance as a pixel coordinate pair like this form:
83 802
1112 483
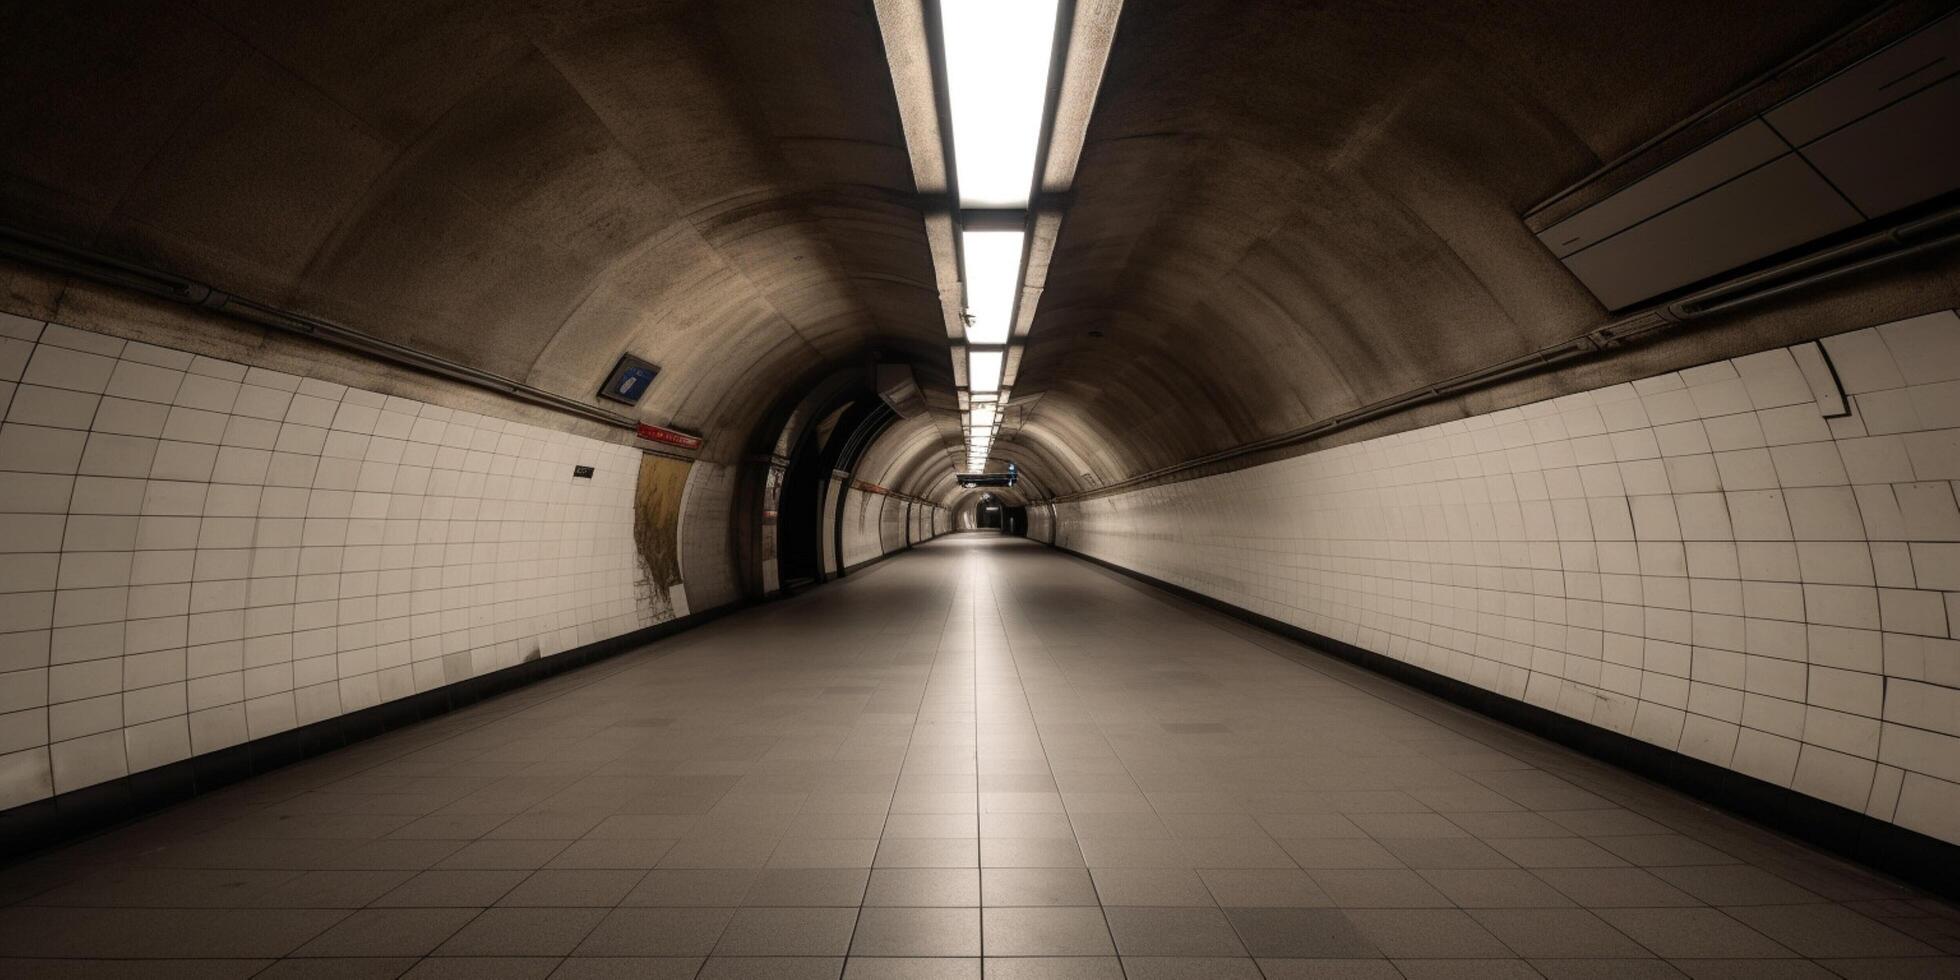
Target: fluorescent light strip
993 275
983 370
997 54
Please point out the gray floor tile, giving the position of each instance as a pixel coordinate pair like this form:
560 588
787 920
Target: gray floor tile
912 968
523 932
599 854
656 932
814 788
1317 968
772 968
787 932
1828 931
1036 886
1495 889
136 933
823 852
1152 887
629 968
1378 889
1299 933
1466 969
808 887
1189 968
1427 934
389 932
333 889
923 887
460 888
314 968
1262 888
1029 852
1556 933
1046 932
565 888
1692 933
1736 884
691 887
486 968
1054 968
926 932
1172 932
1615 888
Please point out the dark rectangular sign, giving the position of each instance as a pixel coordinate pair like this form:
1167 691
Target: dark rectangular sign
584 472
629 380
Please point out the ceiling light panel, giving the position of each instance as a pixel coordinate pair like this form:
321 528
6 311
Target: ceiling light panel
983 370
997 54
993 275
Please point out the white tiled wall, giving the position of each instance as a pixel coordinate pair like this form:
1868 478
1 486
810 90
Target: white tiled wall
194 553
861 537
708 562
874 525
891 525
1041 523
1700 560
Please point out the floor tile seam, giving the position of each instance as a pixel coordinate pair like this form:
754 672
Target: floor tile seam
1042 744
973 688
910 738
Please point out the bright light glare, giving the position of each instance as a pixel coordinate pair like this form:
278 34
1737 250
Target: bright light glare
982 416
983 370
997 77
993 272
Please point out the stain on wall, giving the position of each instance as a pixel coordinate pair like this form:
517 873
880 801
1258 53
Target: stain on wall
656 527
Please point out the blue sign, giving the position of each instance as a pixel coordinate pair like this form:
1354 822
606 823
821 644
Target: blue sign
629 380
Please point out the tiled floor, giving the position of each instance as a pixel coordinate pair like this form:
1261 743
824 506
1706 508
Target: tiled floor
980 755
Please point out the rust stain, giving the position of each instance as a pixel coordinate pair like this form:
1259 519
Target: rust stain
656 525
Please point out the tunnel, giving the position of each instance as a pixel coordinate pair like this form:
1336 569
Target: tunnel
1030 489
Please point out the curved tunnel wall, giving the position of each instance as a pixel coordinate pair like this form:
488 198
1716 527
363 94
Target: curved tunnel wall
1284 212
1726 561
201 552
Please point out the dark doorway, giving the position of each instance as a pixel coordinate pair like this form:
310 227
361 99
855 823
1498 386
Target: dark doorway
834 443
1014 520
988 514
799 549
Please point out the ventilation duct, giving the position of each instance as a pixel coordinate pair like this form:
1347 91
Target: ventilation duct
1865 143
900 390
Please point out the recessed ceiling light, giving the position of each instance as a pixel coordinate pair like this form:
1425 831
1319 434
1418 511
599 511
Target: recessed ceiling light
993 273
983 370
997 54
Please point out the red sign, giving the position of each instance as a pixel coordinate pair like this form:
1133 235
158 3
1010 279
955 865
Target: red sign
654 433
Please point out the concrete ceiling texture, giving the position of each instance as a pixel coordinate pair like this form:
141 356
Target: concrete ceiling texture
1283 211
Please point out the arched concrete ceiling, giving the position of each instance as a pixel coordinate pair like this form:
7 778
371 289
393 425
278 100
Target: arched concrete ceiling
1284 210
1288 210
530 188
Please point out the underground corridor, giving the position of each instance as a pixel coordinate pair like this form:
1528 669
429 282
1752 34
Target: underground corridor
1026 489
